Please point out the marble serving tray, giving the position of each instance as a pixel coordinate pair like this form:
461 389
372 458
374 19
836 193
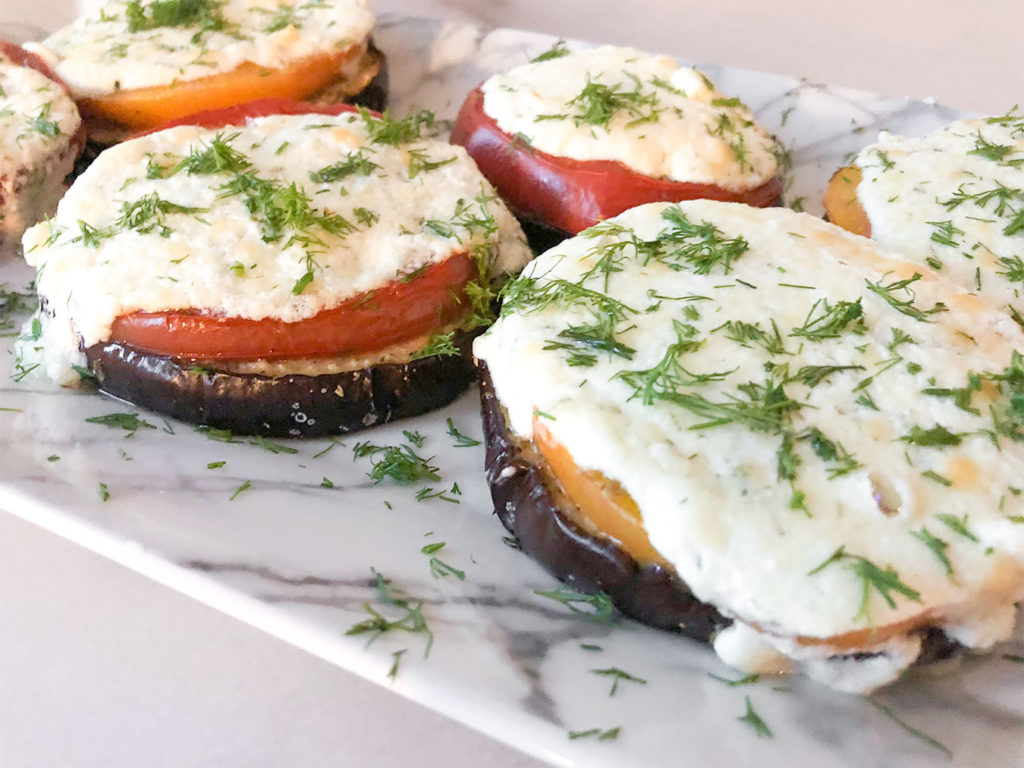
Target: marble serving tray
296 539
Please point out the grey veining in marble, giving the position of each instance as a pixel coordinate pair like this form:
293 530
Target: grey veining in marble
298 550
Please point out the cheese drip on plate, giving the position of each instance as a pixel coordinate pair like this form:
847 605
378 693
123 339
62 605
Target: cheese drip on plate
128 44
645 111
953 201
281 218
823 441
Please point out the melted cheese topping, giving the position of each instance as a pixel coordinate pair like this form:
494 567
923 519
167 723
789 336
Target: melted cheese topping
662 120
954 201
37 118
823 445
109 50
133 233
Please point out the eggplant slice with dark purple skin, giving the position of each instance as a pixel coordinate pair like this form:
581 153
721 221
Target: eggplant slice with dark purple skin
284 406
531 506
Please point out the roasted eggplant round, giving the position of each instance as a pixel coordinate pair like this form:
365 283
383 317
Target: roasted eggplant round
674 422
293 405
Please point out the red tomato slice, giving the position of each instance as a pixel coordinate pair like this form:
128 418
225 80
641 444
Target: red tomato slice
24 58
238 114
395 313
568 194
398 312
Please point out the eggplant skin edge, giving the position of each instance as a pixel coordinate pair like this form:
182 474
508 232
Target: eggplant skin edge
527 506
532 510
285 406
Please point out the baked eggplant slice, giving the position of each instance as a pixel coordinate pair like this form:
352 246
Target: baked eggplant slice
746 424
280 269
293 405
531 506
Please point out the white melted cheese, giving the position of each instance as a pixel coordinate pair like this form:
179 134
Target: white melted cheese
37 118
714 499
98 54
954 201
217 258
688 131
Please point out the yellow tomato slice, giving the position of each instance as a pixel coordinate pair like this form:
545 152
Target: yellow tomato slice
140 109
841 204
603 506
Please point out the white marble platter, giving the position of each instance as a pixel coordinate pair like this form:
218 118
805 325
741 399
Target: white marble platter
288 536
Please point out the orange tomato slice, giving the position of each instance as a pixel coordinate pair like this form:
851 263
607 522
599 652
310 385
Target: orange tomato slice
603 506
841 204
140 109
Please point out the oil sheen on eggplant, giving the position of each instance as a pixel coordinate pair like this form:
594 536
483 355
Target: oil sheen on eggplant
282 406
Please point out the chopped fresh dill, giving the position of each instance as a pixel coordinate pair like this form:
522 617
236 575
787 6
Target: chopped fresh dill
883 581
618 676
599 605
900 296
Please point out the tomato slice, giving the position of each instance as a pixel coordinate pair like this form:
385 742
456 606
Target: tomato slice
398 312
841 204
568 194
140 109
603 506
24 58
238 114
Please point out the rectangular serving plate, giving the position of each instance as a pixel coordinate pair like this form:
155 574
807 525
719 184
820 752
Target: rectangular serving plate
298 551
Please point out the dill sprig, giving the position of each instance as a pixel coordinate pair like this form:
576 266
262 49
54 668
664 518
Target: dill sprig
668 376
204 14
830 452
438 345
556 51
383 129
828 321
409 619
599 605
355 163
937 546
702 247
398 462
884 581
748 334
149 212
461 440
598 103
129 422
216 157
584 340
900 296
754 720
42 124
618 676
12 304
420 163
